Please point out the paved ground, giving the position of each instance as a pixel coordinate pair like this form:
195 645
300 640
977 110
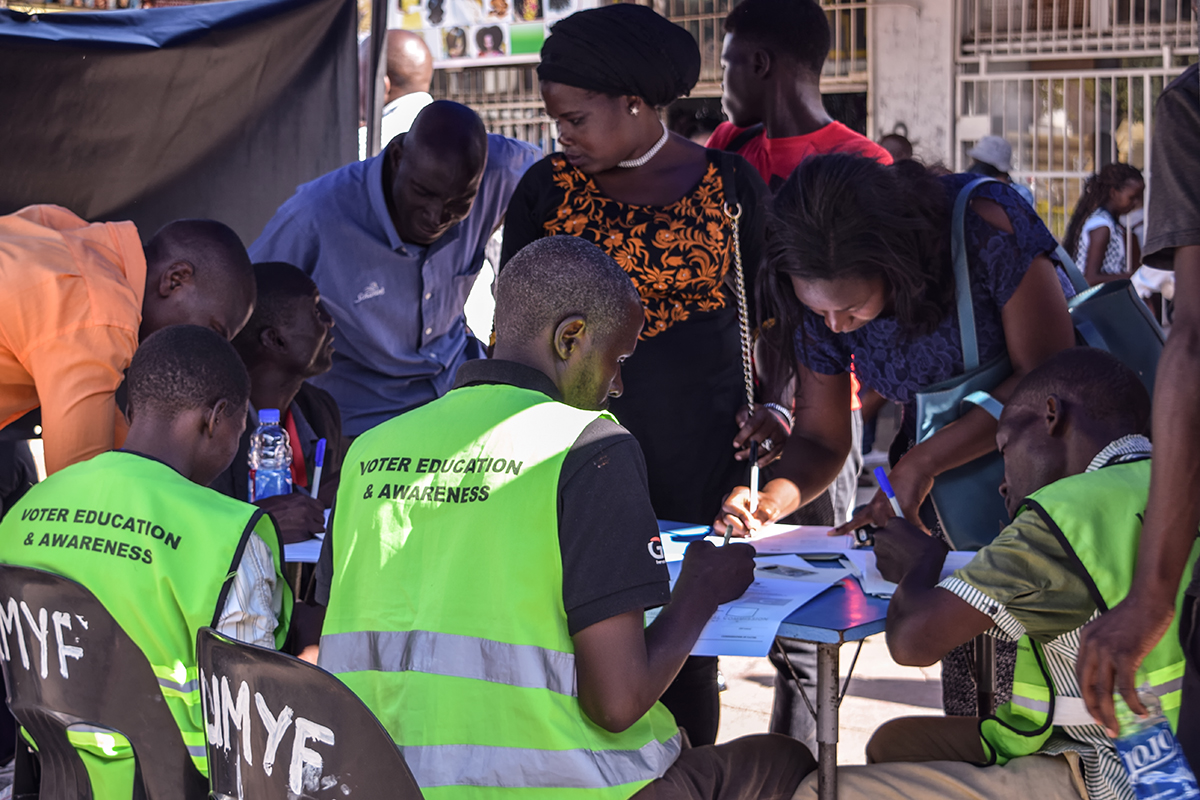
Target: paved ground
880 690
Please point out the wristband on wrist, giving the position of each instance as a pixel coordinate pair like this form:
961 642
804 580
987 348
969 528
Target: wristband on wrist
784 414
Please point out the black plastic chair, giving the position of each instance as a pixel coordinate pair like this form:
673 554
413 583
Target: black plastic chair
90 673
343 752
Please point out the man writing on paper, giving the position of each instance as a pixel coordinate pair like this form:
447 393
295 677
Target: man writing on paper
513 517
1077 473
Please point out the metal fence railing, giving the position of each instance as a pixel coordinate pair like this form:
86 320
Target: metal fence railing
1062 126
1047 28
507 97
705 20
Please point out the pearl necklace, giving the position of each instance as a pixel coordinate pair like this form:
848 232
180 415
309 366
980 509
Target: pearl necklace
651 153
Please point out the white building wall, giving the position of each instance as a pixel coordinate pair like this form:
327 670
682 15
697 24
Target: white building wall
913 65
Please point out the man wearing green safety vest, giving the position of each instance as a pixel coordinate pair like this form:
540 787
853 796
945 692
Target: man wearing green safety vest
492 556
1077 474
163 554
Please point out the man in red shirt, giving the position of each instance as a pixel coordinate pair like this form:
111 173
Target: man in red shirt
773 56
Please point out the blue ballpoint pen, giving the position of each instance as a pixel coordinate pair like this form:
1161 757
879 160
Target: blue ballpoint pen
886 486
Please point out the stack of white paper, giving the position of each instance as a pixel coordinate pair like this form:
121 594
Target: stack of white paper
873 582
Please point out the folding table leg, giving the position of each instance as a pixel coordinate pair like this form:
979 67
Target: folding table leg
828 700
985 675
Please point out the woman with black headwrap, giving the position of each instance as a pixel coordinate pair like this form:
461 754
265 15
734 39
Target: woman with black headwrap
655 202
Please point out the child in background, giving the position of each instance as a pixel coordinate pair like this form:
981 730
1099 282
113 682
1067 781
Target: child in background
1095 237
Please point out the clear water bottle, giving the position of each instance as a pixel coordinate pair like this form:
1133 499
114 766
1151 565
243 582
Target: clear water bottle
270 457
1150 753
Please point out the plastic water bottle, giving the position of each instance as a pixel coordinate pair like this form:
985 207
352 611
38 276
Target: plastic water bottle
270 457
1150 753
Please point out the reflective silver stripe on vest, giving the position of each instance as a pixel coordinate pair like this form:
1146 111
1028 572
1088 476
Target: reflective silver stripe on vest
187 688
1040 706
451 655
1168 687
520 768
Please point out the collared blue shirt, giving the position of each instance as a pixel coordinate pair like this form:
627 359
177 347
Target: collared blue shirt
401 333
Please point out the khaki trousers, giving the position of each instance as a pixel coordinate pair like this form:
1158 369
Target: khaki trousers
1041 777
934 757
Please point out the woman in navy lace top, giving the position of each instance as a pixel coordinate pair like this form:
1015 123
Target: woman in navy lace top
860 265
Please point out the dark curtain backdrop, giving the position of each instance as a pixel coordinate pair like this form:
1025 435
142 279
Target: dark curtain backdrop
217 110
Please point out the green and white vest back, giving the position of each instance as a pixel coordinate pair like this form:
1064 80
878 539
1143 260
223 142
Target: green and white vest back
1097 517
446 609
159 552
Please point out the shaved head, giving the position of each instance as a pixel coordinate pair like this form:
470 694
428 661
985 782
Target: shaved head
1062 414
184 367
557 277
445 129
565 308
1096 382
197 272
409 64
432 173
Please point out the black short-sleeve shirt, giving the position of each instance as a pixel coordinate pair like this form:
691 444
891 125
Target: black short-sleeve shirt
606 527
1173 208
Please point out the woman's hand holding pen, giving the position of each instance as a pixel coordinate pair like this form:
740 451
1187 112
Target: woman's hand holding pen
911 483
735 513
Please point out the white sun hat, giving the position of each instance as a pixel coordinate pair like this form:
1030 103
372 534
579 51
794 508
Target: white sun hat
994 151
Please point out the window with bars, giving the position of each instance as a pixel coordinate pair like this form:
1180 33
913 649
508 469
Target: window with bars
1000 28
507 97
1063 126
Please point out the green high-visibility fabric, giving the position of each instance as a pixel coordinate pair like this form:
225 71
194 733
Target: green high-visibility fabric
1097 517
159 552
446 611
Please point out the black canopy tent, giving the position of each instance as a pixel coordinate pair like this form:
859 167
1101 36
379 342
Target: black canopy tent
216 110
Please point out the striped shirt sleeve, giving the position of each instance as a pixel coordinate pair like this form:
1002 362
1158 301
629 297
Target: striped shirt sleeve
1025 583
255 600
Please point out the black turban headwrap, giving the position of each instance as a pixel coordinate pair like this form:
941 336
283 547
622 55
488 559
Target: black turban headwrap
622 49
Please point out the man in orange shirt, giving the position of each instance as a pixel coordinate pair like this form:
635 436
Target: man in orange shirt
773 55
75 299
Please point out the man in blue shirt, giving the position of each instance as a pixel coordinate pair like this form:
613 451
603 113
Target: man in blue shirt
394 244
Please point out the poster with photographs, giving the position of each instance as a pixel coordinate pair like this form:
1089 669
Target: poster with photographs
483 32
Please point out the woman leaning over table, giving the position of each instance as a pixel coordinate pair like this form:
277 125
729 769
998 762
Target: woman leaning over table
859 263
655 202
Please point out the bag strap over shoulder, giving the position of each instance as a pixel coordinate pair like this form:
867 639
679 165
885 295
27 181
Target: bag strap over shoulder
742 139
962 276
1068 264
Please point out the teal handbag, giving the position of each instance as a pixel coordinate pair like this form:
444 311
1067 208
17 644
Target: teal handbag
1110 316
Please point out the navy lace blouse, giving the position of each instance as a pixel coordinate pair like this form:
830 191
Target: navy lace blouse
897 365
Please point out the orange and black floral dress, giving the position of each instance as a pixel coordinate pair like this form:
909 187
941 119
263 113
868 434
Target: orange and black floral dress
683 385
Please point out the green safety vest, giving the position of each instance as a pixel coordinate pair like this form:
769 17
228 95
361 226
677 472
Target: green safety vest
159 552
446 607
1097 517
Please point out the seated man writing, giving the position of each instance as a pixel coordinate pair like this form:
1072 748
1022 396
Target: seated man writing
1077 473
175 556
288 340
77 298
493 554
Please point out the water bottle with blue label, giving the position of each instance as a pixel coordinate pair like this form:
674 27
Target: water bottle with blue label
270 457
1151 755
